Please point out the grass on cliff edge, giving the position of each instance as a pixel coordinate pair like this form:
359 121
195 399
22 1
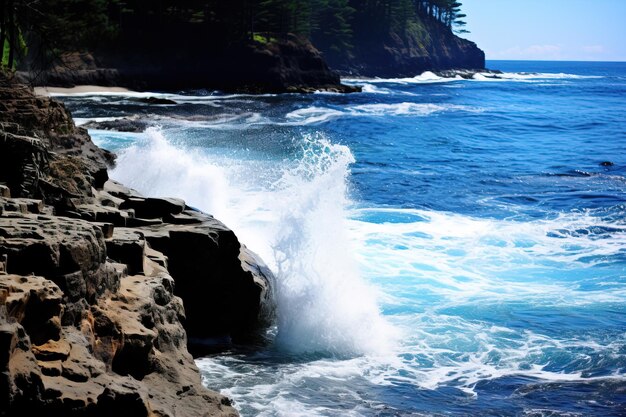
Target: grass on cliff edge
262 39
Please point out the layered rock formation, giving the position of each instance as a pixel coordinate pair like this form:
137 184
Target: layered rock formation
100 288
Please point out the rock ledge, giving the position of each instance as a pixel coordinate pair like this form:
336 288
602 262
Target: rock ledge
100 287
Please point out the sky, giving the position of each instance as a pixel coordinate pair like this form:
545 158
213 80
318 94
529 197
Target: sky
553 30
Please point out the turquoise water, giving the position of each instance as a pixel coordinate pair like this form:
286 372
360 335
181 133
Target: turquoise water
442 246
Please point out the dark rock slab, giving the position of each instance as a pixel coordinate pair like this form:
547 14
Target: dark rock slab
120 125
152 208
154 100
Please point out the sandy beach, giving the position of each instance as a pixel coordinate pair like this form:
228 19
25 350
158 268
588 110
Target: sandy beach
79 89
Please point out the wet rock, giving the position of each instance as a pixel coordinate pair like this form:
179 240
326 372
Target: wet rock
154 100
121 125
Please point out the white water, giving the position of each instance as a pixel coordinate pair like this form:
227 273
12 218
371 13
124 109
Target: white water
429 77
294 215
459 260
314 114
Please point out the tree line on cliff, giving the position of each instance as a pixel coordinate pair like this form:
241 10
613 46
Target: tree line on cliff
41 28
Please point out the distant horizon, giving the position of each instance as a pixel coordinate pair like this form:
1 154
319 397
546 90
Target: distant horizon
558 30
557 60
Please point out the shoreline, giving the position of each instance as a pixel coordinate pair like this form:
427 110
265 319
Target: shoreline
79 89
88 269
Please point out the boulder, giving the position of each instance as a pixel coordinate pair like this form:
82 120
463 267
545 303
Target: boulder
155 100
121 125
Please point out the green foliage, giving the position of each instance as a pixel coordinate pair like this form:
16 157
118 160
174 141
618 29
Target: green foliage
75 24
263 39
332 31
333 25
5 54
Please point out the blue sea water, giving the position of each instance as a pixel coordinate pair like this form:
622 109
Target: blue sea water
441 246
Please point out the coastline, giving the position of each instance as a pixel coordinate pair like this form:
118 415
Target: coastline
113 289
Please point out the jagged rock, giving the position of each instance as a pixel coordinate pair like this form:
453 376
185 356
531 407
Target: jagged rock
20 377
155 100
30 205
106 228
78 334
24 161
121 125
35 303
113 188
52 350
127 246
42 152
431 46
215 275
98 213
127 356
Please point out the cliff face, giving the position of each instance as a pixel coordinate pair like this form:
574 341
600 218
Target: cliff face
286 64
426 45
94 276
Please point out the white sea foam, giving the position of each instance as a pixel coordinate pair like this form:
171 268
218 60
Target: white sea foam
429 77
442 351
310 115
460 258
517 76
294 217
446 277
372 89
407 108
323 302
314 115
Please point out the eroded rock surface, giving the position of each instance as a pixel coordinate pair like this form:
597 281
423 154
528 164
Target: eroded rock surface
101 287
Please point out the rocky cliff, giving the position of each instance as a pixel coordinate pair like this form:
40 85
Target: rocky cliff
101 288
424 45
277 65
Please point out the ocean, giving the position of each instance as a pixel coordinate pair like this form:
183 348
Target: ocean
441 246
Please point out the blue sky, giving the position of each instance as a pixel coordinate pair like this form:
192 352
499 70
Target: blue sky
574 30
